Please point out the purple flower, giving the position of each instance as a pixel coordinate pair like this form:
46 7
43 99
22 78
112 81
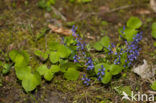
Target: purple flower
85 80
101 73
89 64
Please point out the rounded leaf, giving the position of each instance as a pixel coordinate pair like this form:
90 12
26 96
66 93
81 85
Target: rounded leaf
105 41
98 46
134 22
21 72
153 86
71 74
115 69
48 75
107 77
54 57
42 69
55 68
30 81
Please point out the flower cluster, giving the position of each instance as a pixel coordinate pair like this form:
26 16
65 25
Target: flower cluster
101 73
81 51
118 60
80 46
110 47
85 80
89 63
76 58
133 48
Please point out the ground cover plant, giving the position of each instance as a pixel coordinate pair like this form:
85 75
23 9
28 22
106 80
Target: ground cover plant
73 56
77 51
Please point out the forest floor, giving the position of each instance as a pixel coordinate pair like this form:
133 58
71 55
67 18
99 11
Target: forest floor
21 23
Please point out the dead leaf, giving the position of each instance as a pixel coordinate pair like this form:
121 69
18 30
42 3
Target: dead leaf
153 5
145 70
60 30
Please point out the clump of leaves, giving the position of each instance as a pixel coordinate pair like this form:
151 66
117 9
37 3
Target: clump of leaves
48 73
59 56
103 43
24 72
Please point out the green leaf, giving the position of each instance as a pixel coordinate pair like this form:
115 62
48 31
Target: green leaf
19 61
13 54
6 68
154 34
115 69
69 40
154 30
19 57
41 54
55 68
30 81
26 57
154 26
53 45
107 77
1 64
54 57
98 66
153 86
105 41
42 69
134 22
129 33
48 75
98 46
21 72
64 51
71 74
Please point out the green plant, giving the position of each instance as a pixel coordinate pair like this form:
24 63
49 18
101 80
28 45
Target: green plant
6 68
103 43
154 30
130 30
46 4
24 72
73 56
119 57
110 70
48 73
153 85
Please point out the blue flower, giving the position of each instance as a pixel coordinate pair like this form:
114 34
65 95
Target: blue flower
76 58
101 73
89 64
85 80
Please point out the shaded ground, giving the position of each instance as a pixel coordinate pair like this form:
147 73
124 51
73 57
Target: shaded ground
20 24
